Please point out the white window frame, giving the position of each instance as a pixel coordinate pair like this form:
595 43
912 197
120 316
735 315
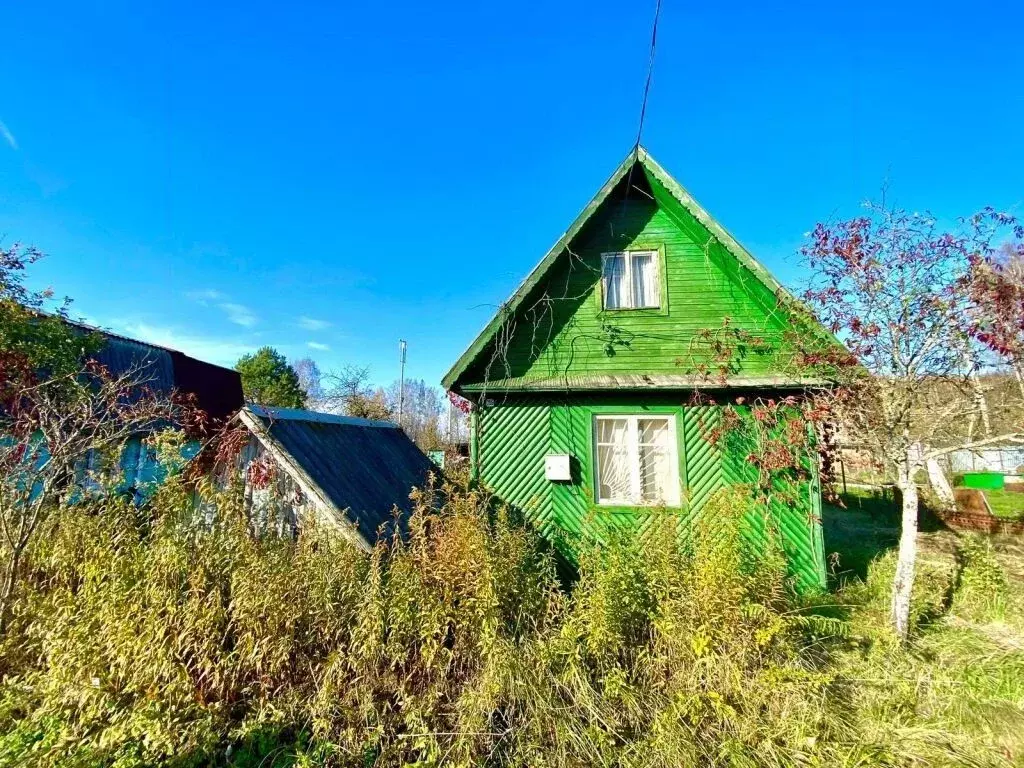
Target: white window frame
627 261
633 449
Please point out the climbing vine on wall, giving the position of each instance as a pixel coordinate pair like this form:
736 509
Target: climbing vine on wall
715 354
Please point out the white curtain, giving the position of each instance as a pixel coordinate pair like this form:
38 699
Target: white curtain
645 279
613 460
654 449
615 294
636 460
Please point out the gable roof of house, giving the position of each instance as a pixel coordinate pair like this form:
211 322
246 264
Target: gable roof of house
357 470
636 157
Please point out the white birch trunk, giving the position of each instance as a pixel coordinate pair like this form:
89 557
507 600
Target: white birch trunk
903 583
939 483
981 403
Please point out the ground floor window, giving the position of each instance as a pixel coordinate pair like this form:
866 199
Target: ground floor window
637 460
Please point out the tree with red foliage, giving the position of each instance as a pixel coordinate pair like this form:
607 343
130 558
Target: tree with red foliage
915 306
996 284
62 416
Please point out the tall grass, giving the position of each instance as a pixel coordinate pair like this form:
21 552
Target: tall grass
143 638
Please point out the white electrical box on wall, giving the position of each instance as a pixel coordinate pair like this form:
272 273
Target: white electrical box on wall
556 467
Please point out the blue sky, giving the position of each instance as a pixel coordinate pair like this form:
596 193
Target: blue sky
329 178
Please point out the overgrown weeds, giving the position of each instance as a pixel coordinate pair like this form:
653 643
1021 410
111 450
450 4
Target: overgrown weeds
144 638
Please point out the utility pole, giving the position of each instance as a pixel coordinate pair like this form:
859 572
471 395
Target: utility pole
402 346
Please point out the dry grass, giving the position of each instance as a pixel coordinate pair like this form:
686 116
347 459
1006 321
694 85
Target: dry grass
146 640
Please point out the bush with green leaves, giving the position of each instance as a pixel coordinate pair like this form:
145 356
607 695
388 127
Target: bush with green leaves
144 637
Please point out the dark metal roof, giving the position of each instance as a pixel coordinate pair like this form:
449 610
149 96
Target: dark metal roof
121 355
365 468
218 390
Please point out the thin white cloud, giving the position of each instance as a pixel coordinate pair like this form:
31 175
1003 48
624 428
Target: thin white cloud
318 346
214 350
239 314
312 324
8 136
205 296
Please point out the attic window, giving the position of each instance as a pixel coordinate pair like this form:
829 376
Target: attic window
637 460
630 280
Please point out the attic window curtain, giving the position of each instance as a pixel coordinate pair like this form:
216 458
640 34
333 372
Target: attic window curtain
644 279
631 280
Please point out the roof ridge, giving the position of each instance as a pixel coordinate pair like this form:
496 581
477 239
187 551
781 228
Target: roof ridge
316 417
82 325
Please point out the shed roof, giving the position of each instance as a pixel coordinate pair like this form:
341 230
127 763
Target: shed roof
359 469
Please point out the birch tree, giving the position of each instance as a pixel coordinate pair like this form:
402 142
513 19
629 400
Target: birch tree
901 292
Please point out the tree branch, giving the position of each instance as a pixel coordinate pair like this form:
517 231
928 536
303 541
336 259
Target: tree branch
1010 437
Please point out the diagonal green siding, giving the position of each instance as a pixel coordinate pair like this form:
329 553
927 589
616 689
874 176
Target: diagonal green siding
703 460
793 508
513 437
512 441
569 501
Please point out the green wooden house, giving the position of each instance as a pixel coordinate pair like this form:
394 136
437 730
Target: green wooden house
583 383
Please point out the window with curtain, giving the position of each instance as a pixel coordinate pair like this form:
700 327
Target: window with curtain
631 280
637 460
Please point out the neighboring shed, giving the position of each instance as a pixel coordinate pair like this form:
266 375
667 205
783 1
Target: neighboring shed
217 391
352 473
1007 458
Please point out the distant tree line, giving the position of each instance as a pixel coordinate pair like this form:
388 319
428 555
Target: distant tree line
269 379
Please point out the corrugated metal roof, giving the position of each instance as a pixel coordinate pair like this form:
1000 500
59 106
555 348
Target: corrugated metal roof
364 468
120 356
218 390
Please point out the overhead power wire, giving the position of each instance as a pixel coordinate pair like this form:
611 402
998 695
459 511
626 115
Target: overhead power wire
643 104
650 72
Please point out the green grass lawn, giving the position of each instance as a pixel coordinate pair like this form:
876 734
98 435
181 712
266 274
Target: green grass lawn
865 524
967 658
1006 505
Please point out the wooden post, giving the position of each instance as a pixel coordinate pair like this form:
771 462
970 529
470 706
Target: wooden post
402 346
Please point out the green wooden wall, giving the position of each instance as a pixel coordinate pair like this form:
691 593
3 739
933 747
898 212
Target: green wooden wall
513 437
561 329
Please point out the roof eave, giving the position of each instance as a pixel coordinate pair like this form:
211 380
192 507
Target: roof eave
451 378
646 383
